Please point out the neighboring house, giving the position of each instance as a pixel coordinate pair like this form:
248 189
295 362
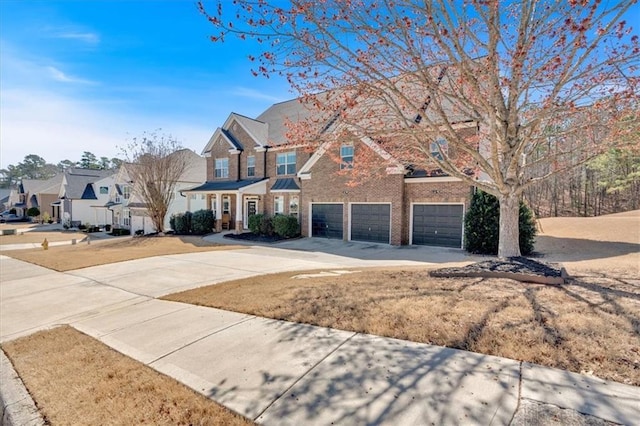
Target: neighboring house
251 168
43 194
128 211
83 194
194 174
40 193
122 206
5 193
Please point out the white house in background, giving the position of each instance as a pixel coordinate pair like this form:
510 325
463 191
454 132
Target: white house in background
128 211
82 193
194 174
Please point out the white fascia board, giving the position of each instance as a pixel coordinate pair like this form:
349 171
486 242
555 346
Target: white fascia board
306 168
209 145
284 190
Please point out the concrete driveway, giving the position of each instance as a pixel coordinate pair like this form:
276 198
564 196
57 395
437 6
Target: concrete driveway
278 372
33 297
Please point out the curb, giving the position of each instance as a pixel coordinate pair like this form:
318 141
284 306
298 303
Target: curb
18 407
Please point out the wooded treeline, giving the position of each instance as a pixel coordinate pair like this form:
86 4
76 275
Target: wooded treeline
35 167
610 183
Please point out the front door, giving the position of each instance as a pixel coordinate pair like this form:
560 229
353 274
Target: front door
250 208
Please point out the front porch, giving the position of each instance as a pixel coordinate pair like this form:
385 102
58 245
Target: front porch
232 202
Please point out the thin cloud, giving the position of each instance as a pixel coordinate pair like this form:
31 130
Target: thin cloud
255 94
60 76
86 37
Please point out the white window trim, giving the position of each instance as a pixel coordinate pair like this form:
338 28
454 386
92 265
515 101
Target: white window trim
286 163
347 165
215 168
275 204
254 165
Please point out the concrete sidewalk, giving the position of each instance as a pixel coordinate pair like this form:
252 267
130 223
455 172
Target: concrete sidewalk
278 372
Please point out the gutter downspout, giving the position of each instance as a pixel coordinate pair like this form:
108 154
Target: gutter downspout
264 162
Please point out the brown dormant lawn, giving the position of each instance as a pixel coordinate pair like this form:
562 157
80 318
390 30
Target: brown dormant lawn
590 325
82 255
75 379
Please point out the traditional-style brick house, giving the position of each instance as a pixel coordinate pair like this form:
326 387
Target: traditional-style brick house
251 168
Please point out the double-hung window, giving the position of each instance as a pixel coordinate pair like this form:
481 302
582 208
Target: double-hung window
251 166
278 204
293 206
439 147
222 168
286 163
126 192
346 157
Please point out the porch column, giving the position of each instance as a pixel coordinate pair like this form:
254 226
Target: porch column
239 213
218 212
188 201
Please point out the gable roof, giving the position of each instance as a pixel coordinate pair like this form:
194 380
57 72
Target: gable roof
76 181
41 186
277 116
195 166
257 131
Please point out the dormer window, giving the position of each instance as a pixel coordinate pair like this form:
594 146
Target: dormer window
222 168
286 163
439 147
346 157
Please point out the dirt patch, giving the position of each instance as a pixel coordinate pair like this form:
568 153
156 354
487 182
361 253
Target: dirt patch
66 258
590 325
76 379
608 243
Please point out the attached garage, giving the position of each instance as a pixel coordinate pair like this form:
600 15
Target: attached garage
326 220
437 224
371 222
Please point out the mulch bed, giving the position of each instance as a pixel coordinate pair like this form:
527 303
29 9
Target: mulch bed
517 268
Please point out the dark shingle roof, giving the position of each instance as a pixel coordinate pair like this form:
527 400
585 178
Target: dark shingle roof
229 185
233 140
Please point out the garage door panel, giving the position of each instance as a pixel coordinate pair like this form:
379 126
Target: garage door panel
370 222
326 221
437 225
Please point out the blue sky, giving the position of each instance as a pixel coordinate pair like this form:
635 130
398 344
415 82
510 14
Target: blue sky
89 75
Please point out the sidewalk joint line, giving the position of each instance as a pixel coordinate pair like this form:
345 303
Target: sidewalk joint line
304 375
519 394
202 338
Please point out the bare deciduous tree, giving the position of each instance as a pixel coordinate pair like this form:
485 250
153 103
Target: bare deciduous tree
409 73
155 165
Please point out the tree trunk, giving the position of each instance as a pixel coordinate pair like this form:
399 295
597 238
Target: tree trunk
509 239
